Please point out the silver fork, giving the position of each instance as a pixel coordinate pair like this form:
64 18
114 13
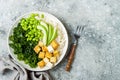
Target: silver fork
77 35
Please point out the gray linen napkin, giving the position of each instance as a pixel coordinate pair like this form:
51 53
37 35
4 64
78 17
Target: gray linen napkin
7 63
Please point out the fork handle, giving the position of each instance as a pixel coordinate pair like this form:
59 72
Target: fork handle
71 57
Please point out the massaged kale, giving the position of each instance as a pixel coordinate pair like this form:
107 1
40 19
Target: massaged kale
22 47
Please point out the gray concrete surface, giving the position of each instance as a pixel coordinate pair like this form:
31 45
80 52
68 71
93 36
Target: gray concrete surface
98 53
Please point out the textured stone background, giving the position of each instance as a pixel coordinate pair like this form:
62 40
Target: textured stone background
98 53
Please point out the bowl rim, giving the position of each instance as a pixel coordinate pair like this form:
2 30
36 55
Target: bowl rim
17 20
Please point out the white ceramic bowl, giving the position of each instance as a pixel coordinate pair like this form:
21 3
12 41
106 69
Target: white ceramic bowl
55 20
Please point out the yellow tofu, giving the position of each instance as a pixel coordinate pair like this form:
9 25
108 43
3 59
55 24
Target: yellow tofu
40 44
41 64
54 44
37 49
56 54
48 55
41 55
53 59
44 48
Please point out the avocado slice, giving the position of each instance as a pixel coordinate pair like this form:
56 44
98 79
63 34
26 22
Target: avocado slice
50 31
45 33
44 24
54 35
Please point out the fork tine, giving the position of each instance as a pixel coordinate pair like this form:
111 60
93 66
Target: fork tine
77 28
82 28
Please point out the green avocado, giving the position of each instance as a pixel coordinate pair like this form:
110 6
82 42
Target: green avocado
44 24
50 30
45 33
53 36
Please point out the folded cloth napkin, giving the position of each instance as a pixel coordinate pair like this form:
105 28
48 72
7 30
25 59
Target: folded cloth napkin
9 64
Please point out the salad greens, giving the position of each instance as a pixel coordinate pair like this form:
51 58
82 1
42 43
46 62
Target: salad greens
23 48
26 36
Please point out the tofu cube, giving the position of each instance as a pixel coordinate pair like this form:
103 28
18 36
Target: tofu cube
49 64
37 49
50 49
48 55
46 60
41 55
40 44
56 54
44 48
54 44
53 59
41 64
